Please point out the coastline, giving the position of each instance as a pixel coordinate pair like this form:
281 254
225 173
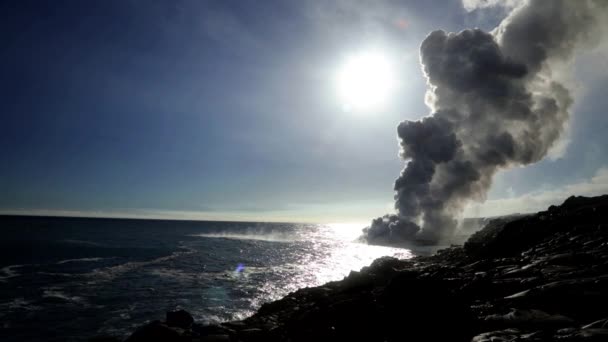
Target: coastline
543 277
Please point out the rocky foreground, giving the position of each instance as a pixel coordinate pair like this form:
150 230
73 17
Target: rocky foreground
542 277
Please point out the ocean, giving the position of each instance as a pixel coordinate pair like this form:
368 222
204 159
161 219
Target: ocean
70 279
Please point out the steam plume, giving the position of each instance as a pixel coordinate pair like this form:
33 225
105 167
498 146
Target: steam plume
496 103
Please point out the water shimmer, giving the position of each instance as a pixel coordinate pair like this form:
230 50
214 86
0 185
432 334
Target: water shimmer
76 278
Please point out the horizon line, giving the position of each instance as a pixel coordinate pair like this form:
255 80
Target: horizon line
162 216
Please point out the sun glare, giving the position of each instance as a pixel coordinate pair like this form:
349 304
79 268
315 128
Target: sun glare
346 231
365 81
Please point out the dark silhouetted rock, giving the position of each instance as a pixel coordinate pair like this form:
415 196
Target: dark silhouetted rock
158 332
104 339
180 319
505 237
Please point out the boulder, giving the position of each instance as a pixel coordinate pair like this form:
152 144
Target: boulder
179 318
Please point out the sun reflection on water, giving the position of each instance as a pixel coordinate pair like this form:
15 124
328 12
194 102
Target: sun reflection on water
331 253
348 255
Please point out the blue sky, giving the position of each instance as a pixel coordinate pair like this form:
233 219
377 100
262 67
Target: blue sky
228 110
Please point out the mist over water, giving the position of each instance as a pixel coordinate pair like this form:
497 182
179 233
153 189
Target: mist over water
76 278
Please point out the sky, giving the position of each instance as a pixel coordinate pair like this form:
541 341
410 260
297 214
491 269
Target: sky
228 110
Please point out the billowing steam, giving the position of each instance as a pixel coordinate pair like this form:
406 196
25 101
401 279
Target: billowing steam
496 103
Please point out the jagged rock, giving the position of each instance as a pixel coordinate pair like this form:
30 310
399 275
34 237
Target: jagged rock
104 339
599 324
586 335
180 319
158 332
357 281
504 236
529 318
581 298
216 338
225 329
509 335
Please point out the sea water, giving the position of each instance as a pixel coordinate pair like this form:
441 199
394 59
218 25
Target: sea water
69 279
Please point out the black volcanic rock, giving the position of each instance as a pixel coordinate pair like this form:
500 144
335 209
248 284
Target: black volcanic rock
543 277
180 319
158 332
504 237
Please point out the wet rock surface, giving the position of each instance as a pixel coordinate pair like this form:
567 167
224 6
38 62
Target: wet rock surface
542 277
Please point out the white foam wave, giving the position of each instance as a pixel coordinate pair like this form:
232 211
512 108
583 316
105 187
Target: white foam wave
56 294
18 304
9 272
109 273
81 260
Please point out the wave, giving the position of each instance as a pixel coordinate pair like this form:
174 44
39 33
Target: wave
270 237
9 272
109 273
59 274
225 275
18 304
81 260
83 242
180 275
55 294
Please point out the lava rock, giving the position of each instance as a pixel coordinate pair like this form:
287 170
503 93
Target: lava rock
179 318
157 332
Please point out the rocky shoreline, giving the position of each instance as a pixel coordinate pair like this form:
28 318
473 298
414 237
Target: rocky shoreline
542 277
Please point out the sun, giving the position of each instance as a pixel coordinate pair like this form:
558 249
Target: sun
365 81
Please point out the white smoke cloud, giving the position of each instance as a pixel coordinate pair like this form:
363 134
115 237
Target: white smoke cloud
497 100
471 5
